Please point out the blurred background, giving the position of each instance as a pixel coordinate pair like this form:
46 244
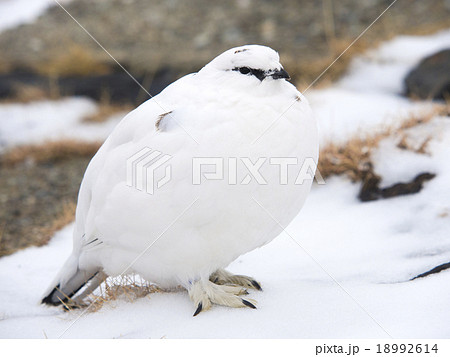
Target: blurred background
61 93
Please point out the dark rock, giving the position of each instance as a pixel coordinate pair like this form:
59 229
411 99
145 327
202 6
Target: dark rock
370 190
9 82
400 189
117 86
431 78
435 270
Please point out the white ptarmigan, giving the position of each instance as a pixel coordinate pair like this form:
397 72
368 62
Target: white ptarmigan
236 134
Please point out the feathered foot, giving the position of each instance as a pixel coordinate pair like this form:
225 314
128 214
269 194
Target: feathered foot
205 293
222 277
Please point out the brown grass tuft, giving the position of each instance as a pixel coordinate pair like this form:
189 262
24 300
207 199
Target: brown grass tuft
305 71
127 287
49 152
353 158
350 159
65 216
105 110
75 61
25 93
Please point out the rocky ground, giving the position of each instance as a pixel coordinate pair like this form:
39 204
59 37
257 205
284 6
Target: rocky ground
36 199
163 40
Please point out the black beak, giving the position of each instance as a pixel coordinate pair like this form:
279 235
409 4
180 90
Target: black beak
280 74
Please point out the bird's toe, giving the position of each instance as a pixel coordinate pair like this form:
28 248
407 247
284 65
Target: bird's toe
206 293
223 277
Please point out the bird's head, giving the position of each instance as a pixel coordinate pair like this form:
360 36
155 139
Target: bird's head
250 63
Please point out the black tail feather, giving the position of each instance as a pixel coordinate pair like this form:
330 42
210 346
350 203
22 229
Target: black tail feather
62 295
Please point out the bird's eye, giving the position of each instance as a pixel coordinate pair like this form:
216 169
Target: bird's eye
258 73
244 70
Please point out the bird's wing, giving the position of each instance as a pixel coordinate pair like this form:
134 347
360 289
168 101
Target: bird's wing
147 119
153 117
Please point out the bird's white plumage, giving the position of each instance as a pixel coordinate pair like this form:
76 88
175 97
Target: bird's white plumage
217 112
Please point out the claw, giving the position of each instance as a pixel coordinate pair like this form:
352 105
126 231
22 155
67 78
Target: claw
199 309
248 303
204 294
223 277
256 285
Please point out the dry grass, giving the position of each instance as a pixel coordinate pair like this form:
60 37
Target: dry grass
426 29
105 110
5 66
127 287
2 230
350 159
420 148
25 93
49 152
75 61
353 158
44 233
65 216
304 71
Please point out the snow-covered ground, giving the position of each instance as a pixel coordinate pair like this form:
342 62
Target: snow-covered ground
37 122
369 98
342 269
18 12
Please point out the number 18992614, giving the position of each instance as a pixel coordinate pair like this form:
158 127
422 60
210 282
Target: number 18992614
407 348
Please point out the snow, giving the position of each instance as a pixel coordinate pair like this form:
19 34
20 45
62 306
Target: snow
398 165
384 68
370 249
18 12
370 96
342 269
343 113
41 121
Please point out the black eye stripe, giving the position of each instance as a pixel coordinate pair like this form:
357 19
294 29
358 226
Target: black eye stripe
258 73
